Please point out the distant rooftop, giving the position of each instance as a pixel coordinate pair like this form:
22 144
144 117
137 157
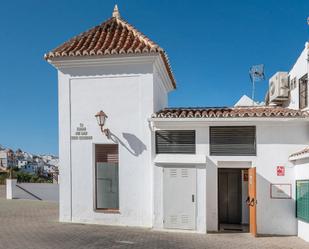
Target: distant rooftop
246 101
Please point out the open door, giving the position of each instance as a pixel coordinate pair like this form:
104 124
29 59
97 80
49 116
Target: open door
251 201
229 196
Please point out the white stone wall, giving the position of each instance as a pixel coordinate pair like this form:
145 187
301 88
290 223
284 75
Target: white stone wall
128 91
299 69
275 142
32 191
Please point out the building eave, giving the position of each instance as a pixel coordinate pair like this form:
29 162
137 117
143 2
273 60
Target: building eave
221 121
93 61
249 119
299 157
116 60
304 153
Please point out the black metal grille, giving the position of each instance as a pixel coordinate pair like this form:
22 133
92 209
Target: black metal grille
175 141
233 141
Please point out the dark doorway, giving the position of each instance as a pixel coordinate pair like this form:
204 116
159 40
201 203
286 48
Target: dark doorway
230 199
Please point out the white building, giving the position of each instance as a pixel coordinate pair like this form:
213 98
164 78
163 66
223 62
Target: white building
246 101
294 94
48 168
166 168
30 168
21 163
7 159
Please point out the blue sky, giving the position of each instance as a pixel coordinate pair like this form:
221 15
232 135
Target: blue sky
211 45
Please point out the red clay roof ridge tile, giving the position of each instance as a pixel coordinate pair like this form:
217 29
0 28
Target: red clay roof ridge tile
230 112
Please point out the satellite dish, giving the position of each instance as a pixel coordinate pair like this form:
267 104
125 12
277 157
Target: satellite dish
256 73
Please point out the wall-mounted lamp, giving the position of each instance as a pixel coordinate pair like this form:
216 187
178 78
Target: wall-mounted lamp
101 118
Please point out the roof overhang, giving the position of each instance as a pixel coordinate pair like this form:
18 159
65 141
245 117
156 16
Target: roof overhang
299 157
302 154
155 59
223 121
101 60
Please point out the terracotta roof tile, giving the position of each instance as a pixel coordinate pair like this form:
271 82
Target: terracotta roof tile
112 37
226 112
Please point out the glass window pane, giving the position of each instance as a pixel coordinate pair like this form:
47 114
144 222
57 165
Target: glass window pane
107 185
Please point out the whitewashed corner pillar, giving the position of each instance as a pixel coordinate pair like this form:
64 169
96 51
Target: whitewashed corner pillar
10 187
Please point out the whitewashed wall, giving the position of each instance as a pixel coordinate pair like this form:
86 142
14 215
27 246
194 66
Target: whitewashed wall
32 191
197 161
275 142
299 69
129 92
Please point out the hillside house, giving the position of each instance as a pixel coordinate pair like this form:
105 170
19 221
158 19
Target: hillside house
7 159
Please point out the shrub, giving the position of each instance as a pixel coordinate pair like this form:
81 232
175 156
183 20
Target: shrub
33 178
23 177
3 177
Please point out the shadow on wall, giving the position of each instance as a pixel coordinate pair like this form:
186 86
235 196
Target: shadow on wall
136 146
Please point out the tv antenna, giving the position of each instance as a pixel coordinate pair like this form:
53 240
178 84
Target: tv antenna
256 73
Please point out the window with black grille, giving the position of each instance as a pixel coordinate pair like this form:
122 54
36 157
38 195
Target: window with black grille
233 141
175 141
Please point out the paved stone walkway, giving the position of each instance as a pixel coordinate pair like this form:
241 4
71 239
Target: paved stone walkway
34 224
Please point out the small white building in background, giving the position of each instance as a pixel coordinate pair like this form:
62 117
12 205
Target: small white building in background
7 159
30 168
21 163
200 169
247 101
48 168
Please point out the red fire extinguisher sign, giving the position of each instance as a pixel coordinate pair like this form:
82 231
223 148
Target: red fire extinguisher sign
280 170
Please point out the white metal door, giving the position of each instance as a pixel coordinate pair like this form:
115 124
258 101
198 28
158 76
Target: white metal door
179 197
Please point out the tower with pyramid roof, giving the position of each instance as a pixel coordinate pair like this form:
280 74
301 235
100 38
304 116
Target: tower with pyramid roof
114 68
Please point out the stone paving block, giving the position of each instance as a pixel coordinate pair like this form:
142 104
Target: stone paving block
27 224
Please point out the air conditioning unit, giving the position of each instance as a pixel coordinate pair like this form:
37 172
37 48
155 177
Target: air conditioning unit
279 87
